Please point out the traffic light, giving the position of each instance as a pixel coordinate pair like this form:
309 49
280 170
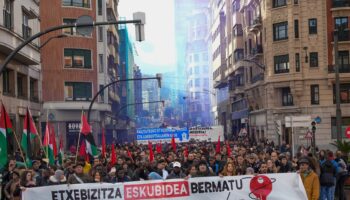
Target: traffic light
278 127
313 124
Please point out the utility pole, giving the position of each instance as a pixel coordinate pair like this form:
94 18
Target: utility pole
337 85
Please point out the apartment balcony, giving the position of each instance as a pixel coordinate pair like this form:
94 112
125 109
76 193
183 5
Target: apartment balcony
340 3
112 10
257 78
256 25
345 68
256 52
219 76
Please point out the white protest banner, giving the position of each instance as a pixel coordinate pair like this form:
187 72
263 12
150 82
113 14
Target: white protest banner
264 187
207 133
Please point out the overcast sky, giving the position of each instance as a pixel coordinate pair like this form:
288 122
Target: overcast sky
157 53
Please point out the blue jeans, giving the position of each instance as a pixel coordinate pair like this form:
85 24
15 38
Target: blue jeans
327 193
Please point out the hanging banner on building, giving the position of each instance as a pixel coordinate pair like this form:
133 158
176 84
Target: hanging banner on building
161 134
268 187
207 133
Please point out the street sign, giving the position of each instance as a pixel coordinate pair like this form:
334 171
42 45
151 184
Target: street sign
347 132
298 121
308 135
85 30
317 119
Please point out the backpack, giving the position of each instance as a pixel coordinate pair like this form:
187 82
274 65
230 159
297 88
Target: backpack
328 173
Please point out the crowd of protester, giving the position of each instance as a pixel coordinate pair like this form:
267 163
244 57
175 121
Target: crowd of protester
323 174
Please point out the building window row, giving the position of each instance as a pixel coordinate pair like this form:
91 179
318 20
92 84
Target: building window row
12 81
279 3
280 30
77 3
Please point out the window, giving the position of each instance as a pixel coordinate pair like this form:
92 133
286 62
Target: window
78 91
197 82
77 3
33 88
99 7
235 6
237 30
77 58
279 3
296 2
196 58
313 59
100 63
341 22
71 30
280 31
8 82
344 93
21 85
8 10
26 30
102 94
312 26
297 62
238 55
196 70
315 94
287 98
100 34
296 28
281 64
343 57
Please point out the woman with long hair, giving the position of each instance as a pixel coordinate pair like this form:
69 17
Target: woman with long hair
27 179
271 167
229 170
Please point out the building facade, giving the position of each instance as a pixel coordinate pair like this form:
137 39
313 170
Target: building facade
75 67
197 66
279 59
21 80
338 14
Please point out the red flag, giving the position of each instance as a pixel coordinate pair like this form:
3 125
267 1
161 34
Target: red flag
151 154
159 147
229 152
82 151
103 153
186 152
129 154
53 139
85 127
113 156
218 146
173 144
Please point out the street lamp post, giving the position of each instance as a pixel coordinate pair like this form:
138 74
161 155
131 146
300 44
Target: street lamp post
337 85
158 77
138 22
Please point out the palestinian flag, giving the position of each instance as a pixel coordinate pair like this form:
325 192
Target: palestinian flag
29 133
48 145
61 152
85 130
5 129
53 140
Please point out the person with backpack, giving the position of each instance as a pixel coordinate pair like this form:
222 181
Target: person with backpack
329 168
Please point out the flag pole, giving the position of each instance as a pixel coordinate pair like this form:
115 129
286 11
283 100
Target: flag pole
61 140
46 149
20 150
40 141
76 153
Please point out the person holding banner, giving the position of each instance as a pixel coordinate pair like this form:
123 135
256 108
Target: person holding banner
79 177
310 179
